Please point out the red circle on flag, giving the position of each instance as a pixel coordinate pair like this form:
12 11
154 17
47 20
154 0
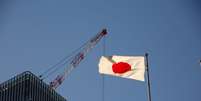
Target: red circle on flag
121 67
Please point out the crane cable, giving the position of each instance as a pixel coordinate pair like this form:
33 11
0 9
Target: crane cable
52 69
103 77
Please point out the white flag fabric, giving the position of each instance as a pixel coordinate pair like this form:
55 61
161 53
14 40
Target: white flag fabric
131 67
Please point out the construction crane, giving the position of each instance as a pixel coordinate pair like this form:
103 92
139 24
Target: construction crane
77 59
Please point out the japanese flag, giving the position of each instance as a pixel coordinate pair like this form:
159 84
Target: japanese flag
131 67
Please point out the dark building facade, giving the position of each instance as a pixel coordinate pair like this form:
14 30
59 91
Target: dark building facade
27 87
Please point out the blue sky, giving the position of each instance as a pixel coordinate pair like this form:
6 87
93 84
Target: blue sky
35 34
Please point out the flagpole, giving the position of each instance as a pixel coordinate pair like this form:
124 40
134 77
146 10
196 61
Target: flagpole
148 80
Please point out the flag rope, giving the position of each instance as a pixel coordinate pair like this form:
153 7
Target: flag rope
103 77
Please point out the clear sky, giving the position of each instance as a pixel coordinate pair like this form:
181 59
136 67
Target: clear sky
35 34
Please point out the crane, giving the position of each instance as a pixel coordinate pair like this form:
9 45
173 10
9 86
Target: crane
78 58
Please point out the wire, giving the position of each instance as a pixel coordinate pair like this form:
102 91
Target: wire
65 60
56 69
103 77
52 67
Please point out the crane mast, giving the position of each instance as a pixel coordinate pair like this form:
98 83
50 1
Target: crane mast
77 59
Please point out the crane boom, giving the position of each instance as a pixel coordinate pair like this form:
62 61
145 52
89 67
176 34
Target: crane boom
77 59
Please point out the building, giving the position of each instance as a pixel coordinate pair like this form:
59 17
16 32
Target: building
27 87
